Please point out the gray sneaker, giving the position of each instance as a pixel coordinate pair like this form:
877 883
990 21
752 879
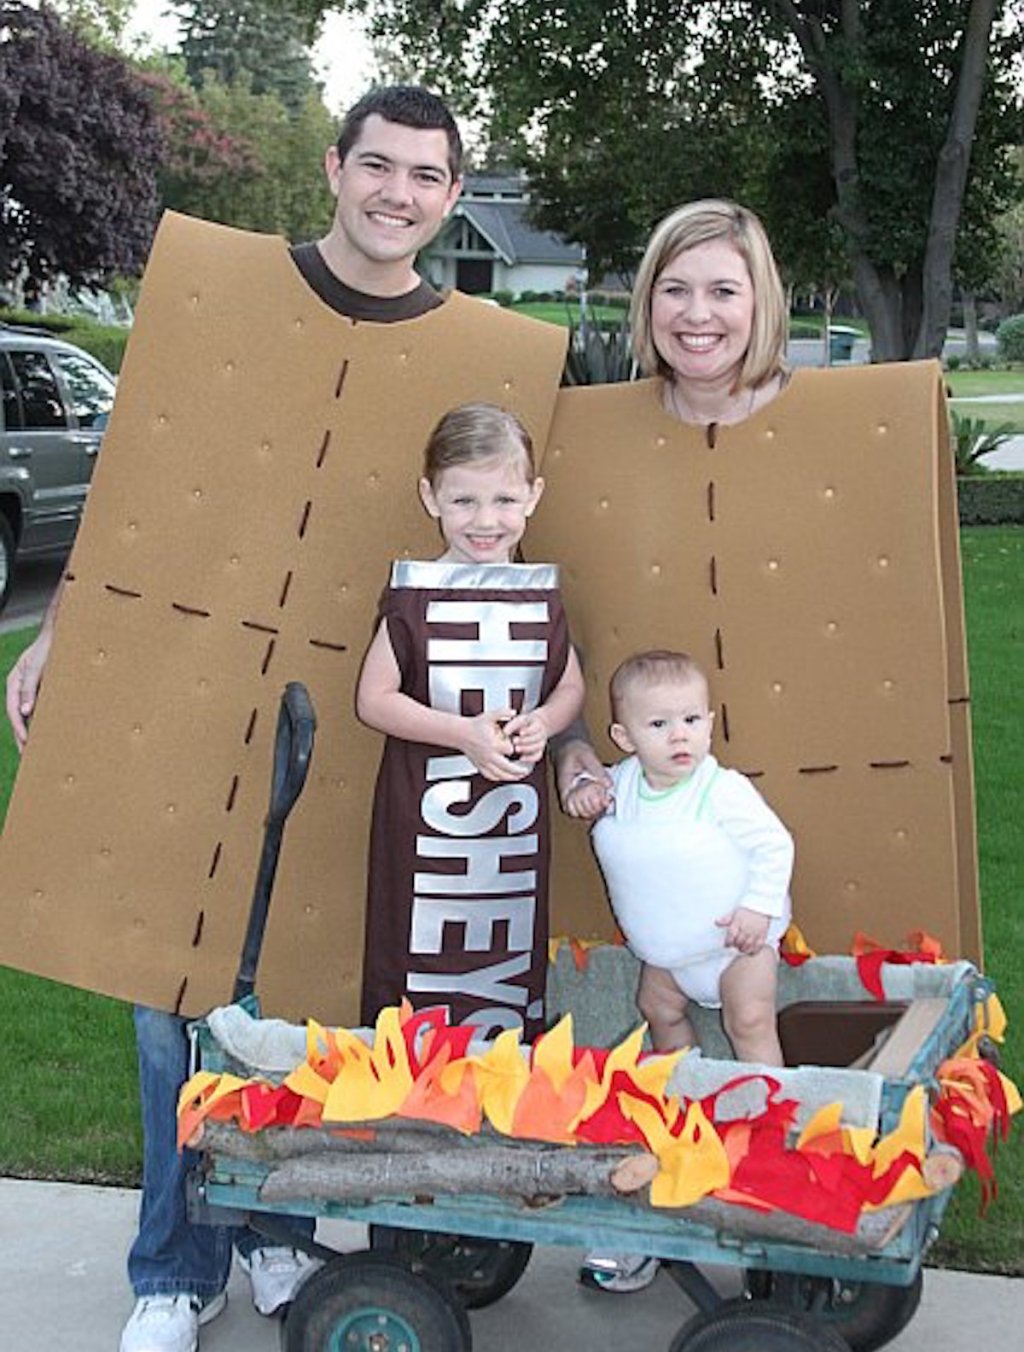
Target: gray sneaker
619 1273
169 1323
276 1273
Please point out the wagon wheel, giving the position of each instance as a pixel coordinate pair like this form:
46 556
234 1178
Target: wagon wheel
374 1302
867 1314
742 1325
480 1270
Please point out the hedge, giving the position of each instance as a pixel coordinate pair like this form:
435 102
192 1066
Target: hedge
106 344
991 499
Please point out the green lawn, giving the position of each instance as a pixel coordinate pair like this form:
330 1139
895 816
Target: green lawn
1008 381
67 1079
568 312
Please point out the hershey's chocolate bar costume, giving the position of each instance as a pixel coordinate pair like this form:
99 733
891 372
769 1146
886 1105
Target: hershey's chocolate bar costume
457 905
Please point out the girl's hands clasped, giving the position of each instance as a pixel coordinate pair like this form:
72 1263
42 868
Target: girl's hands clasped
486 741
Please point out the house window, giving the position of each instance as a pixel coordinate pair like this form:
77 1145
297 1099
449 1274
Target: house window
474 275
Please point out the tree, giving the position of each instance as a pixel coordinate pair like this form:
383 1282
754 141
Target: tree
248 41
1007 276
242 158
79 148
902 87
656 88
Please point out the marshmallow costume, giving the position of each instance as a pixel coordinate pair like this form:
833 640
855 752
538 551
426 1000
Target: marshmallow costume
677 861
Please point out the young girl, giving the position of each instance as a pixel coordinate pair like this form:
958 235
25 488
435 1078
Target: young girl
469 674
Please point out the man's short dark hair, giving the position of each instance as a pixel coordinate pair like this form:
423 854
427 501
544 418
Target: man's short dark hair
410 106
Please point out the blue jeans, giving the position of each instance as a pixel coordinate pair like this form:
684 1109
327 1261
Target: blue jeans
170 1254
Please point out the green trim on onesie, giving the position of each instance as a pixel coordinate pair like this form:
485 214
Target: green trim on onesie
649 795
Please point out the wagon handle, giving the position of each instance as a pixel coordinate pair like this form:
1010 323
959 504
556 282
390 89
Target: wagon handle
293 746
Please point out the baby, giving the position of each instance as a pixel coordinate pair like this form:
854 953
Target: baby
696 863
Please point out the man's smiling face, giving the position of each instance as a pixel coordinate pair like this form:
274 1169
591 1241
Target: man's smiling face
392 192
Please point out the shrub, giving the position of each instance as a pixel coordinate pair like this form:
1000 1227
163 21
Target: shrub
953 363
105 343
991 500
1010 337
972 438
504 298
56 324
598 355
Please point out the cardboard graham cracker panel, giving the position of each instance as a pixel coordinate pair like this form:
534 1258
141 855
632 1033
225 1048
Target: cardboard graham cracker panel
258 477
808 559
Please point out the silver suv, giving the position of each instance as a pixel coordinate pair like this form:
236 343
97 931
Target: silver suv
54 403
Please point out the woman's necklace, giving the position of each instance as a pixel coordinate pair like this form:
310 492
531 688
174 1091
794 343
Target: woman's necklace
686 414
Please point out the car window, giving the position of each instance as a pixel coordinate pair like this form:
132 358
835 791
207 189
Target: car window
10 409
41 403
91 390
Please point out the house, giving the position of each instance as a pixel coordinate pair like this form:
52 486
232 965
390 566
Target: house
488 244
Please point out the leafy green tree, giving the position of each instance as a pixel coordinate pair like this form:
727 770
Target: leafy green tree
911 108
79 148
200 158
253 42
101 22
243 159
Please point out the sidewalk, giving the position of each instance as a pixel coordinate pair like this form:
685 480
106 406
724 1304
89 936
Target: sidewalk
62 1286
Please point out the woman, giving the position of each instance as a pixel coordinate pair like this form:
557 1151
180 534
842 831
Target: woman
709 318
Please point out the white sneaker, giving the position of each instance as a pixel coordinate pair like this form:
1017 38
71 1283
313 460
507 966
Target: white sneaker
169 1323
276 1274
621 1273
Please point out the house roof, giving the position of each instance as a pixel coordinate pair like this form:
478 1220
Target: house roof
506 228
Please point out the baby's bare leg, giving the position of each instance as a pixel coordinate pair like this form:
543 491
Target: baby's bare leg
663 1005
748 1007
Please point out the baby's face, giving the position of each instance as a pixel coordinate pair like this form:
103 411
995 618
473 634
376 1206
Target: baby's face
668 727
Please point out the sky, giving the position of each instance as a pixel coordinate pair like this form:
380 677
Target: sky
342 58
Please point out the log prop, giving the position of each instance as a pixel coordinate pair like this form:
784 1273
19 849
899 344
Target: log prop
530 1176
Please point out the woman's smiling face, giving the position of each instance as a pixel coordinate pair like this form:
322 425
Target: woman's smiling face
702 312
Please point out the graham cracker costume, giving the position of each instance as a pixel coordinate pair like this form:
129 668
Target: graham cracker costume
808 558
259 474
457 888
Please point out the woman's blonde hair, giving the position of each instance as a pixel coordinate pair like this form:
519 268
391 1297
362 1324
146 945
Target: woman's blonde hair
475 432
698 223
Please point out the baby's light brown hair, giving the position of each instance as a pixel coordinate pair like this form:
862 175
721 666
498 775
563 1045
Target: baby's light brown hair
648 668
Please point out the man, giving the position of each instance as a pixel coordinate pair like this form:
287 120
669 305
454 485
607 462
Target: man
395 174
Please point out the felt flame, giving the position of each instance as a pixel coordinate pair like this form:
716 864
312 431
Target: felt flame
417 1067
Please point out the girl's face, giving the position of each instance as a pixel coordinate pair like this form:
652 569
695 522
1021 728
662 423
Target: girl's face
702 312
482 508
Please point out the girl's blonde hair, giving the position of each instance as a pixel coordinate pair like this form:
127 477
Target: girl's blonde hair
698 223
474 432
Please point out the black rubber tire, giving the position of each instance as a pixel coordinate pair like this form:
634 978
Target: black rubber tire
743 1325
364 1300
480 1270
867 1314
7 551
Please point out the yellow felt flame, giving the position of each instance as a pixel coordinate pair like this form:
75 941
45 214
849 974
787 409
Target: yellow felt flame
910 1132
373 1082
553 1053
308 1083
692 1164
501 1074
